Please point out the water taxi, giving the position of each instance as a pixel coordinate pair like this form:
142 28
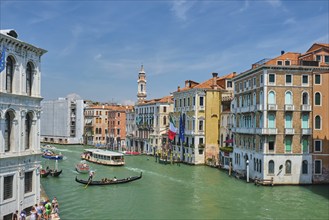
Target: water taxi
82 167
103 157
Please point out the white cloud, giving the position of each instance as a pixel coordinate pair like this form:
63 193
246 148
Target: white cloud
275 3
181 8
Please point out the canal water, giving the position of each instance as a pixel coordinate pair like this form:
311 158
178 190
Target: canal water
176 192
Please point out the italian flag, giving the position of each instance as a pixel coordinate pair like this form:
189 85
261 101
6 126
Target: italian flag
172 129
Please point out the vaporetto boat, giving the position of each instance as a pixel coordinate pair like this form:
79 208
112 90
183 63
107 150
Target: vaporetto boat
103 157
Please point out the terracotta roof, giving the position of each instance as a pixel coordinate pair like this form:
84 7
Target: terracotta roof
166 99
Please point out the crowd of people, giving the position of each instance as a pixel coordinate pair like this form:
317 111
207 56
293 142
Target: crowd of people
44 211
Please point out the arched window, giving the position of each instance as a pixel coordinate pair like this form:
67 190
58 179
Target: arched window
288 167
28 126
288 120
271 120
100 130
305 167
142 88
288 98
261 97
317 122
29 71
305 98
317 98
305 121
260 166
96 131
271 167
9 74
164 120
8 130
254 99
271 97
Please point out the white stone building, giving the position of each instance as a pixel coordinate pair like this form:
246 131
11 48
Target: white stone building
62 120
19 124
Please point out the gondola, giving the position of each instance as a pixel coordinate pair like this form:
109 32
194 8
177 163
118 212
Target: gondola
108 182
55 173
44 173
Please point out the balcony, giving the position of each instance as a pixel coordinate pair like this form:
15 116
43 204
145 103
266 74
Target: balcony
268 131
289 107
259 107
289 131
246 130
306 131
272 107
307 108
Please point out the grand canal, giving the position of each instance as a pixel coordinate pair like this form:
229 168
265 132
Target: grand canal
177 192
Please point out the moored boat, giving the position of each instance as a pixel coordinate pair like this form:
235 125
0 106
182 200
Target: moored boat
103 157
105 181
44 173
82 167
132 153
55 173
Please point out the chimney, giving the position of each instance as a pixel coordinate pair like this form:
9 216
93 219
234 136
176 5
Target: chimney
214 80
282 52
187 83
178 88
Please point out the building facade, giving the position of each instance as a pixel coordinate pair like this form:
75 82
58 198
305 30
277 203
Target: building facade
273 119
197 116
20 108
62 120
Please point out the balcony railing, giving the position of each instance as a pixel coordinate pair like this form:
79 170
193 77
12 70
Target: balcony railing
306 108
260 107
306 131
272 107
289 131
289 107
269 131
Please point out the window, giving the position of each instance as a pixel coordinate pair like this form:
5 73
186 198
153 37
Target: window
261 79
326 59
288 98
271 78
287 63
288 167
271 143
9 74
318 58
317 145
229 84
288 141
193 101
8 187
200 125
304 167
305 119
118 131
317 122
305 145
317 167
271 98
289 79
164 120
165 108
29 74
288 121
188 101
305 98
28 182
279 62
317 79
28 124
8 130
271 167
118 114
271 120
201 100
305 79
254 81
317 98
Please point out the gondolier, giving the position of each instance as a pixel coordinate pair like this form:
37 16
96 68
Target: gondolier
91 175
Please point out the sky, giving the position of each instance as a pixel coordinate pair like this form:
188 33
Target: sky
96 48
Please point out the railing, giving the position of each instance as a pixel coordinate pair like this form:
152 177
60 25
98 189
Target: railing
289 131
260 107
306 131
268 131
289 107
306 108
272 107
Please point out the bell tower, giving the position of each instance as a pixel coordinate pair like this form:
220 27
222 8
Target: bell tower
141 91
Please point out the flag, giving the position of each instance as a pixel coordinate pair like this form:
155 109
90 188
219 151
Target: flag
2 60
172 129
181 128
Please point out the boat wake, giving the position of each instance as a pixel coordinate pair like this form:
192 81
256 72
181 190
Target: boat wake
156 174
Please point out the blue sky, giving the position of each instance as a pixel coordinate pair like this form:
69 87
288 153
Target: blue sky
95 48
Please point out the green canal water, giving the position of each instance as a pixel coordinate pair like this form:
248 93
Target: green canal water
177 192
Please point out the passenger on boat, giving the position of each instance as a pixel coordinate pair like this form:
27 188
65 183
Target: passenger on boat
115 179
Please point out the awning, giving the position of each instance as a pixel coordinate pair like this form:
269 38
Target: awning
229 141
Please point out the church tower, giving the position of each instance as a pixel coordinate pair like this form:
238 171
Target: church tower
141 94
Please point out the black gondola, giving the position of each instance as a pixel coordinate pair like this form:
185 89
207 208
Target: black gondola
44 173
108 181
55 173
